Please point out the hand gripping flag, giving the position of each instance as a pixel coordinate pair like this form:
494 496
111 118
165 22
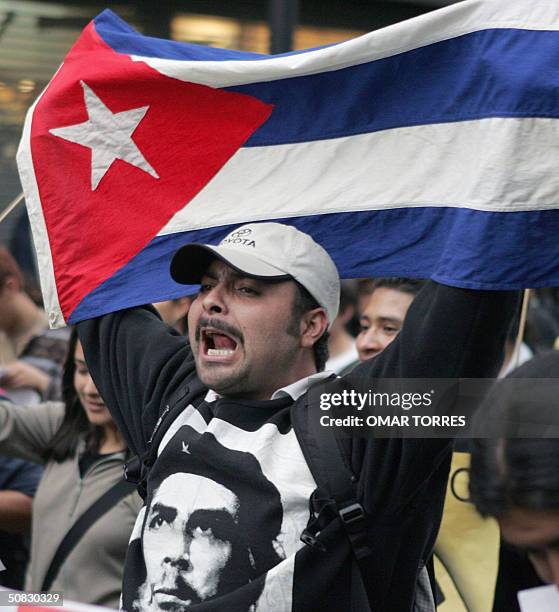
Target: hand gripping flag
428 149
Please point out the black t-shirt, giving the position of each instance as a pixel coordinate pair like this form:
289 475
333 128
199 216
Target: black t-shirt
228 500
88 459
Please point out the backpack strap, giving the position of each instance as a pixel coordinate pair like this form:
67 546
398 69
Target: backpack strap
100 507
137 468
335 496
336 492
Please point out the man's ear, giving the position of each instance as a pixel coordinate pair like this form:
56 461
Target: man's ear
313 324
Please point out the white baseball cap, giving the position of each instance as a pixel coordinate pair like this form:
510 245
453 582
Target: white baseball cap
266 251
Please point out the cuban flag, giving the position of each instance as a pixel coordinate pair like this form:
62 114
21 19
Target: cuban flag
427 149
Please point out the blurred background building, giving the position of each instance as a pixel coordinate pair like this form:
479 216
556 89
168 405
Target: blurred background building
36 35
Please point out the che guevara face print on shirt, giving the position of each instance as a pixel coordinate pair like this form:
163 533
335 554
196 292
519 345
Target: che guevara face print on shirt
215 524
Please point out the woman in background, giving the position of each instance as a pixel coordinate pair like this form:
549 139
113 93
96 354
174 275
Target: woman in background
83 453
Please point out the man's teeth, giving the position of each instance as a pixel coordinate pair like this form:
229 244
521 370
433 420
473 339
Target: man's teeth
221 352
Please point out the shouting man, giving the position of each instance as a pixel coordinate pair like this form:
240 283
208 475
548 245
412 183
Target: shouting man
258 331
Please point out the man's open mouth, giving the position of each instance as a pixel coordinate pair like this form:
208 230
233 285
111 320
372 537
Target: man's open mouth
216 343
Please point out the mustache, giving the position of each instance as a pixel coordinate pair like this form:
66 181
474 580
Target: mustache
219 325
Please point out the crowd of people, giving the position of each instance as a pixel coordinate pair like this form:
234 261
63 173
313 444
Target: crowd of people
223 507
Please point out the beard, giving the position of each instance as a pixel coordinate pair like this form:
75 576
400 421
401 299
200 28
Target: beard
232 384
249 380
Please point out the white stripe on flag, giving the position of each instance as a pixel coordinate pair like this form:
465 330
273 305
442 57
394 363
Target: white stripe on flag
496 165
456 20
37 221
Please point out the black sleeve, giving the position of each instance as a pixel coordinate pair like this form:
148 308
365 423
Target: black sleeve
448 333
137 363
516 573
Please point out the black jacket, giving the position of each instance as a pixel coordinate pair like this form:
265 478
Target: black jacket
141 366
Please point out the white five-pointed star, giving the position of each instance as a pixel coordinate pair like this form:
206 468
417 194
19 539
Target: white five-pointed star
185 448
108 135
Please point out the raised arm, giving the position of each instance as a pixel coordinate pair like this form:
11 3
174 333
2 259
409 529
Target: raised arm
448 333
137 363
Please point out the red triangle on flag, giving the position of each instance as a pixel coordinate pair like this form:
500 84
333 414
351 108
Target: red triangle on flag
186 135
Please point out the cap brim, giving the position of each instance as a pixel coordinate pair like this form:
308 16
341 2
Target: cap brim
191 261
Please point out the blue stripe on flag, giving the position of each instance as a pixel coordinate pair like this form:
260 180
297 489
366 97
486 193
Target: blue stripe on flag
493 73
124 39
489 73
415 242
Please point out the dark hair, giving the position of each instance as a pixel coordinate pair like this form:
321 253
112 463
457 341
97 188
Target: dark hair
75 424
304 302
542 325
349 299
513 465
9 267
406 285
253 550
348 294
